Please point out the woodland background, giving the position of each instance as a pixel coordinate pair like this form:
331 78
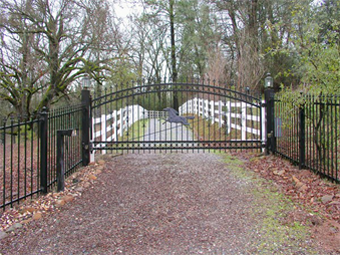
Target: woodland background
48 46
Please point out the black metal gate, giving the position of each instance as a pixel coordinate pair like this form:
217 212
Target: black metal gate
176 116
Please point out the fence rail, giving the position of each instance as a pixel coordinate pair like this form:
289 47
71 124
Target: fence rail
308 133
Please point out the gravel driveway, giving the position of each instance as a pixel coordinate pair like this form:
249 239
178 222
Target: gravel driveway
150 204
159 130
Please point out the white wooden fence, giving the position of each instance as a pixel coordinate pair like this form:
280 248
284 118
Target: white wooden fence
108 127
233 115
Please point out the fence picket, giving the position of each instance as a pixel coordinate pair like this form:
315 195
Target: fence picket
307 136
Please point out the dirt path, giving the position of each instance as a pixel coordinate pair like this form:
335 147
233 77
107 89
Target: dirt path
154 204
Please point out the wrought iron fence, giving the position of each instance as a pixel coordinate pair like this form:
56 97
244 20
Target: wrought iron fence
28 153
307 132
20 160
60 120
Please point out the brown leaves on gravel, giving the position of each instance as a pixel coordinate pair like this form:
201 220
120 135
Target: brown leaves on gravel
38 207
320 196
301 185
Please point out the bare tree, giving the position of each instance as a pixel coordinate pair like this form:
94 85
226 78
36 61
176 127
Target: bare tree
21 68
149 47
252 29
216 70
56 41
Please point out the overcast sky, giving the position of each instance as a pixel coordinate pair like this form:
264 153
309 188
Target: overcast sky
124 8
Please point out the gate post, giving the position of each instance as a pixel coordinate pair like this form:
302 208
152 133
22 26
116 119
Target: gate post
43 149
85 126
270 126
302 137
60 158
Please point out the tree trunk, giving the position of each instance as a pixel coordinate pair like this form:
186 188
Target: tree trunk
173 52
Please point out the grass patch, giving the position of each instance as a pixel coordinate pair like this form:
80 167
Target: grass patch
203 129
278 237
270 209
136 131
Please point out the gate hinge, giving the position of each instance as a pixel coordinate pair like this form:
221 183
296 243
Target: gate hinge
88 146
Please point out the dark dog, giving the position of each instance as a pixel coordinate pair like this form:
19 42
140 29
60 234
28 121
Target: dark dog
174 118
